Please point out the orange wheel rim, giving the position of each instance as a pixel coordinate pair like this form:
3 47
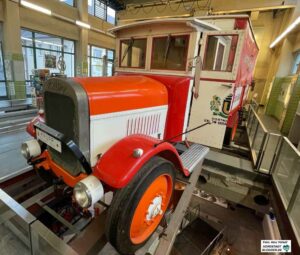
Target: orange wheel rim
151 208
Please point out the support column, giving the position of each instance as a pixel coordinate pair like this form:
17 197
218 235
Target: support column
12 49
82 44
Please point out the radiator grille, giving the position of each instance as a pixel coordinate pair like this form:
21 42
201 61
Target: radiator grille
61 115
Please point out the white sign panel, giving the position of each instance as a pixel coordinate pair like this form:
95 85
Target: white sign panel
237 97
213 104
275 246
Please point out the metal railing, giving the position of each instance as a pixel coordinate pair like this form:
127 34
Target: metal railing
286 176
263 144
25 232
275 155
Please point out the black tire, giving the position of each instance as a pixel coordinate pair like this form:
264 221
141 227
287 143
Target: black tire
126 200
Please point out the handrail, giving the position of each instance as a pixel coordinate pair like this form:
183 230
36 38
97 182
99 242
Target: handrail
213 241
292 146
259 120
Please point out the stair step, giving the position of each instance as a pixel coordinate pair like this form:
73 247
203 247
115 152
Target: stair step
191 157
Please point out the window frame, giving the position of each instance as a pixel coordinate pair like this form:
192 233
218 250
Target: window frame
205 52
35 48
90 57
74 3
120 53
4 73
186 52
105 11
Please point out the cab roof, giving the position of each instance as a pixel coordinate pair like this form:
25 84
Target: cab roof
194 21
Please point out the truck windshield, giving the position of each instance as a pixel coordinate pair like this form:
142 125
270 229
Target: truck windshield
220 52
170 52
133 53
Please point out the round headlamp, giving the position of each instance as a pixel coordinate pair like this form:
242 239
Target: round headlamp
88 191
31 149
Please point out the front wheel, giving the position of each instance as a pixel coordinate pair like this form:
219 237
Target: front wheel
138 208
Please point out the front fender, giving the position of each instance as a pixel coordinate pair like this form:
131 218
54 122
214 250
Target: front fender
30 127
118 165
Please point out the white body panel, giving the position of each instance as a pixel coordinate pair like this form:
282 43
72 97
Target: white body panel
210 135
107 129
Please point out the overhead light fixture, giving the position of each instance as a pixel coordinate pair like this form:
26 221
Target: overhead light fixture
285 32
36 7
82 24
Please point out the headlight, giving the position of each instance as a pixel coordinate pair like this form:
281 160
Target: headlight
88 191
31 149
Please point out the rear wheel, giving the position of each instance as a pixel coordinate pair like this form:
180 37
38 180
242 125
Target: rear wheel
138 208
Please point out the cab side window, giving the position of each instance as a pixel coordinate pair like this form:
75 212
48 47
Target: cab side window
170 52
220 52
133 53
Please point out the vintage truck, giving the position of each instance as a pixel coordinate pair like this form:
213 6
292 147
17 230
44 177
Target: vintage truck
118 133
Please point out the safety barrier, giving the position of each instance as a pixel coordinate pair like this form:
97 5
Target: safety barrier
286 176
263 144
275 155
25 233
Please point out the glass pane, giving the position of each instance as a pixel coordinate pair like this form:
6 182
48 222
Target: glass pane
109 69
294 216
100 9
133 53
47 59
296 65
88 49
2 76
110 54
68 2
253 130
3 89
48 42
98 52
28 88
287 171
70 65
170 52
28 62
111 15
91 7
69 46
26 37
258 140
96 67
220 52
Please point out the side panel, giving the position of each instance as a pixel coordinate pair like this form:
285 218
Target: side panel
213 104
106 129
179 96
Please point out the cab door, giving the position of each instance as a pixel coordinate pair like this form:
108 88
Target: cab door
220 55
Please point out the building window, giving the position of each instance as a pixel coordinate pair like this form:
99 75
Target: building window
100 61
3 88
68 2
296 64
100 10
133 53
43 51
170 52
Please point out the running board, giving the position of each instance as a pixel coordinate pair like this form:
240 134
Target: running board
193 155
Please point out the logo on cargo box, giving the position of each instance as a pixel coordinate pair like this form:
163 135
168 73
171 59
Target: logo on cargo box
215 105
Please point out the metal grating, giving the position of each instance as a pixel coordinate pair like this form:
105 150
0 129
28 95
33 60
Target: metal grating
191 157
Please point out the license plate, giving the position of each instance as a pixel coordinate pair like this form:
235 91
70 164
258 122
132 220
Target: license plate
49 140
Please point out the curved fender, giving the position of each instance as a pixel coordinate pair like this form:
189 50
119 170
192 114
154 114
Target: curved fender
30 127
118 165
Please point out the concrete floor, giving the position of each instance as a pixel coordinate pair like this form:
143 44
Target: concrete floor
244 228
12 161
